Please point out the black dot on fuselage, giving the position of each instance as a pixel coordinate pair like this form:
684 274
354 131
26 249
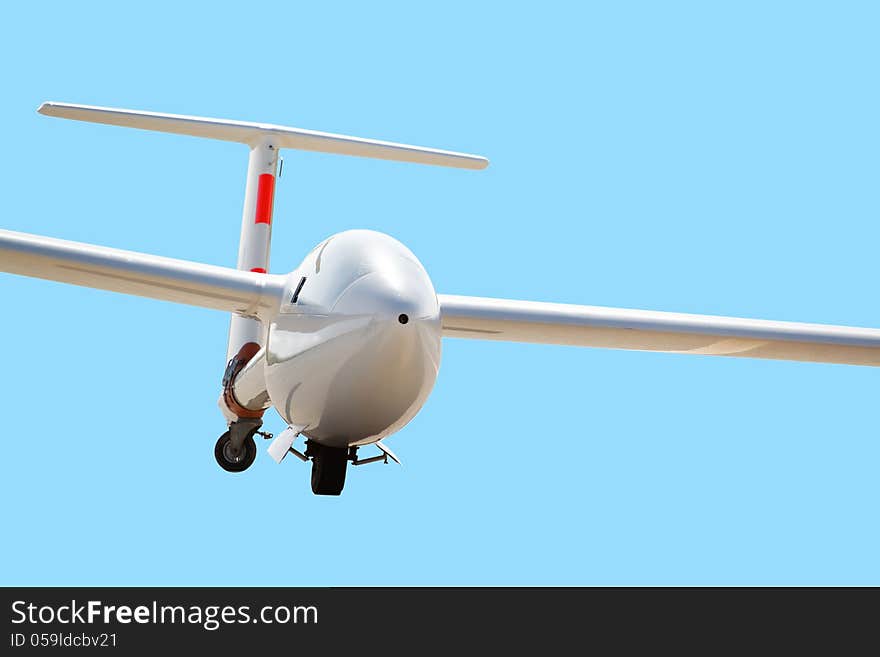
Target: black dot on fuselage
403 318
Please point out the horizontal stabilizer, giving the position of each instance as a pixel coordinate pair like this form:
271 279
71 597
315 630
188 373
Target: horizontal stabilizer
648 330
100 267
254 133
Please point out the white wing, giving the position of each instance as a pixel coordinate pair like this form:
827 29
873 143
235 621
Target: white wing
647 330
143 275
250 133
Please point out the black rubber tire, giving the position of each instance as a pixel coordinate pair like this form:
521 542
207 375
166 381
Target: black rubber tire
245 459
328 470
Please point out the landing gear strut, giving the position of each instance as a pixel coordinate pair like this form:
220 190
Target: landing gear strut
236 449
328 468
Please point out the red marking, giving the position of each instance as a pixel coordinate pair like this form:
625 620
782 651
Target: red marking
265 196
258 270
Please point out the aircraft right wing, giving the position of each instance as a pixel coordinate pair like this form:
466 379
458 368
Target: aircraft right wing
180 281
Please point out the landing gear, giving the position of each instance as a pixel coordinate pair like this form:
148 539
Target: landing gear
236 449
231 460
328 468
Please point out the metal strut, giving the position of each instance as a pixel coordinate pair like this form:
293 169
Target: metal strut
291 450
240 430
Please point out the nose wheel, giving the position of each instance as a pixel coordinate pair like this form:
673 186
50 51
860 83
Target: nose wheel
328 468
236 449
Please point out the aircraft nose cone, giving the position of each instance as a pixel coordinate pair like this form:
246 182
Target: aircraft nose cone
359 357
392 354
401 297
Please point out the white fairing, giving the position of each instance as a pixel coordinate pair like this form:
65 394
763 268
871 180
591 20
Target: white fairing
356 356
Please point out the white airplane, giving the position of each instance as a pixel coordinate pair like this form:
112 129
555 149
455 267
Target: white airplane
346 347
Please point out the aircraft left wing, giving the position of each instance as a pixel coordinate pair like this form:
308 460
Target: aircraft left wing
180 281
649 330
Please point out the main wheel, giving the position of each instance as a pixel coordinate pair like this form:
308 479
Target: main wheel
229 460
328 470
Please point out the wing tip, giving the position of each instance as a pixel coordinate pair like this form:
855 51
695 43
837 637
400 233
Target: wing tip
465 161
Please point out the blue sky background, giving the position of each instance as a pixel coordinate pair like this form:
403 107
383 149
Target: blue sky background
695 157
